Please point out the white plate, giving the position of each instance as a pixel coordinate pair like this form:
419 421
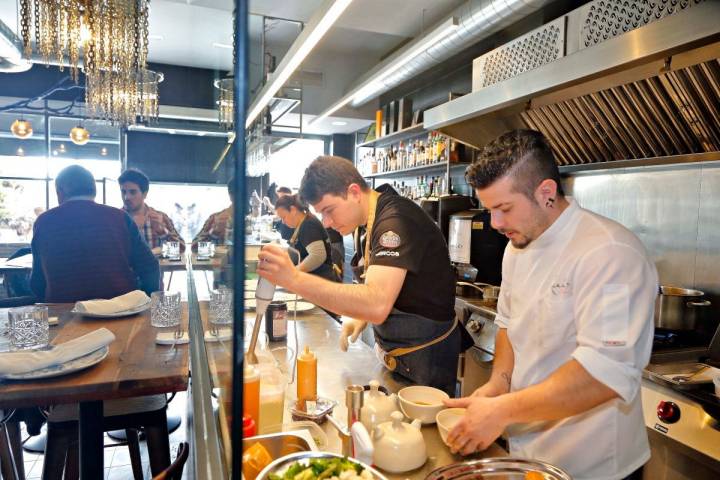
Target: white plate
72 366
124 313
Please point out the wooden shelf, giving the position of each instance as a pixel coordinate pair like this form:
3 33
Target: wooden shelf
394 137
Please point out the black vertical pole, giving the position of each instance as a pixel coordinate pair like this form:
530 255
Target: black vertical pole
240 94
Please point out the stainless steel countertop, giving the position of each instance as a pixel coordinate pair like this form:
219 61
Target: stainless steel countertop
337 369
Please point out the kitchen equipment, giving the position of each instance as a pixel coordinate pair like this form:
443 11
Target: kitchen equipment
499 468
488 292
398 446
377 406
279 466
450 204
682 375
446 421
676 308
422 402
472 240
272 397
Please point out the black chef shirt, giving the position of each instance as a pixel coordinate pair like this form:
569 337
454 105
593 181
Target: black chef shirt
311 230
404 236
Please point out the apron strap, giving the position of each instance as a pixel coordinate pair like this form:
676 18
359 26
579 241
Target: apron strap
398 352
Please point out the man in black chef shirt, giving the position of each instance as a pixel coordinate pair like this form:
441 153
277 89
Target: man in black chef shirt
407 289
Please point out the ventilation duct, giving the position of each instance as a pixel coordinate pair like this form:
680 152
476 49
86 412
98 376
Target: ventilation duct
11 51
477 19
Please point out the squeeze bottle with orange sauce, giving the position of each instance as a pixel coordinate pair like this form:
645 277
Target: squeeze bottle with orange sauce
307 375
251 392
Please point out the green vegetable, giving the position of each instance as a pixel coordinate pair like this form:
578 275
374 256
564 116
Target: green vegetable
318 469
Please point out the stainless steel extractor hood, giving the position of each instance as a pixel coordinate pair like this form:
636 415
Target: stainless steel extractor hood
611 80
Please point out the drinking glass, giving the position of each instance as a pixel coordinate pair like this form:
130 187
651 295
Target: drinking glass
206 249
165 309
29 327
221 306
173 250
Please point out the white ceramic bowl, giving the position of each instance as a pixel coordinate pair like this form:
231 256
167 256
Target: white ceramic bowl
422 402
447 419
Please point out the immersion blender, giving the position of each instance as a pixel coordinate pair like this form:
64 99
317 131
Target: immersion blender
264 293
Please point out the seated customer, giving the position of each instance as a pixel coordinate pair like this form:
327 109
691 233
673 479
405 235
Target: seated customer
83 250
218 226
309 238
155 226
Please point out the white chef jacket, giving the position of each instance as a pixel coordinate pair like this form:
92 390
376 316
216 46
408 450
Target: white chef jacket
585 289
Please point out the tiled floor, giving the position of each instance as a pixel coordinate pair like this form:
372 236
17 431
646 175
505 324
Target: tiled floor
117 459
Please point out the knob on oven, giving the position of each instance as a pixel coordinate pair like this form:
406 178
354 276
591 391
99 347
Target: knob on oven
668 412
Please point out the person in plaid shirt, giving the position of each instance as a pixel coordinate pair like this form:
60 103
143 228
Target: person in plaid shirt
218 226
155 226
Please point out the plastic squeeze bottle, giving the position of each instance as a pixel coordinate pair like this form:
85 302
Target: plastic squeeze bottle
307 375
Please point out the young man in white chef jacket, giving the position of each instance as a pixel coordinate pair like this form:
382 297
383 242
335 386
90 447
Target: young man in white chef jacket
575 318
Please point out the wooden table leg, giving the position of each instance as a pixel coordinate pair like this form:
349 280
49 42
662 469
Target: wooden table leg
91 440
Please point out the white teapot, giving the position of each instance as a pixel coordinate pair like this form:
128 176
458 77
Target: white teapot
396 446
377 406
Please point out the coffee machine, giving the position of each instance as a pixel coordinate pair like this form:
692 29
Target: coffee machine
472 242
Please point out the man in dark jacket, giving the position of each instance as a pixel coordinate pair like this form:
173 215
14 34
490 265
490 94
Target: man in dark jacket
83 250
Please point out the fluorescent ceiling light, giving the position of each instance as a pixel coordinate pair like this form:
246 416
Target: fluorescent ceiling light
222 45
339 124
374 83
316 28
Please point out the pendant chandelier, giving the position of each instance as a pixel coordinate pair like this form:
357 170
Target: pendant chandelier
225 102
123 101
109 38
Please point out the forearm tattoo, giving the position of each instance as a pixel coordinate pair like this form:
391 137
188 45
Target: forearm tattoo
506 377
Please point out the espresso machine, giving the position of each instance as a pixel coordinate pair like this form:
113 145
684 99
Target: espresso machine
476 249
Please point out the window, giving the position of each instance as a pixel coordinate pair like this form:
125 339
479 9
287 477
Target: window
288 165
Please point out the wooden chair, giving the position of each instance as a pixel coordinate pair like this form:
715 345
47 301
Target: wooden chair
174 471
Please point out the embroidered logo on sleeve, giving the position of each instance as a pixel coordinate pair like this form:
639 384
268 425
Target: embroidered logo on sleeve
390 239
561 289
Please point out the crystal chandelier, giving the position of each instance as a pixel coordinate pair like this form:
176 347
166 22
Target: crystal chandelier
121 100
109 36
225 102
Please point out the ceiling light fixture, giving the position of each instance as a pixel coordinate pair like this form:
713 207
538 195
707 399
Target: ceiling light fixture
121 101
21 129
374 80
103 151
225 102
79 136
339 123
20 152
311 35
61 148
222 45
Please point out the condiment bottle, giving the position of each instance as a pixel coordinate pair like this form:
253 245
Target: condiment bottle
307 375
251 393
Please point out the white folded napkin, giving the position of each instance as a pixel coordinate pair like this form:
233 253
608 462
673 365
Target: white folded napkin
27 361
122 303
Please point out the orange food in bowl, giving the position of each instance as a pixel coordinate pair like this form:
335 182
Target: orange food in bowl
254 459
534 476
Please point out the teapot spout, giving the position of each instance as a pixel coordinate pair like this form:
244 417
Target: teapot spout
362 444
417 423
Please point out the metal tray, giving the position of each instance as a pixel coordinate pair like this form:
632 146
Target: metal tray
670 374
498 468
279 466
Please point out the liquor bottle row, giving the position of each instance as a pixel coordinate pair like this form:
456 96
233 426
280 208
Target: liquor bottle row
406 154
424 187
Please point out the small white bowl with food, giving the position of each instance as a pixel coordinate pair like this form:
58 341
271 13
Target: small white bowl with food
422 403
446 421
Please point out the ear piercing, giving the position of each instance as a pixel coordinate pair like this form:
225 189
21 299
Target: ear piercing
550 202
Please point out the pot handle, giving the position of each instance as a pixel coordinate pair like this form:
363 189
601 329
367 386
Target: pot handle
703 303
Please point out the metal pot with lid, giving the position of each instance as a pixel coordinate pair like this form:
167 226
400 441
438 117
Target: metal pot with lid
504 468
676 308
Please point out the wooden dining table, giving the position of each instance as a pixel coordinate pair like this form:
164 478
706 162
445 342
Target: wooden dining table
135 366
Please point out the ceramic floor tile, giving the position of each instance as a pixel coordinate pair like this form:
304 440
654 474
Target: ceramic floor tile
121 458
120 473
107 472
35 471
108 455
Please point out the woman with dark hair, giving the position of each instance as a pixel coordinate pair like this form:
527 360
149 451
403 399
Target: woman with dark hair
309 237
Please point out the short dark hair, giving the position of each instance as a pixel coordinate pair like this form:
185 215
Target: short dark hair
290 201
74 181
283 190
135 176
523 154
329 174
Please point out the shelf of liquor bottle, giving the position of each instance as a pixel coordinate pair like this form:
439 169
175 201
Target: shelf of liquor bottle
395 137
419 168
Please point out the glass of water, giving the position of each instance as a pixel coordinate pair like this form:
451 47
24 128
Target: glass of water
29 327
173 250
221 306
165 309
206 249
